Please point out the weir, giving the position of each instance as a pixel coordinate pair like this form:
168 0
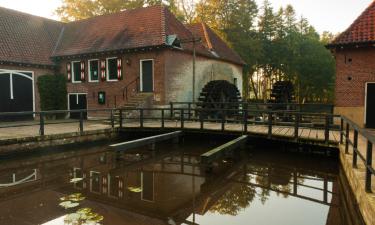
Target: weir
145 141
216 153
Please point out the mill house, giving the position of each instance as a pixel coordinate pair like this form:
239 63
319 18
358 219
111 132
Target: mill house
144 54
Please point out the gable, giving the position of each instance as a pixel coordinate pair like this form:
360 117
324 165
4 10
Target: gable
361 31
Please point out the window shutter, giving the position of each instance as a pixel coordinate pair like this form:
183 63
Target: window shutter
102 69
69 70
119 68
82 70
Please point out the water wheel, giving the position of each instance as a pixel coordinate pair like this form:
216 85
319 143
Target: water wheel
217 95
282 96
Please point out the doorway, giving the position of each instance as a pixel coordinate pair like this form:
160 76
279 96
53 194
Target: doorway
147 75
370 105
16 94
77 102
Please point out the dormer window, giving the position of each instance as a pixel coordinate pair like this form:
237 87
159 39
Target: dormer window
174 41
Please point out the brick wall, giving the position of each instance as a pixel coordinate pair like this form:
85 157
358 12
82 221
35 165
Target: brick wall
115 89
37 72
179 70
360 66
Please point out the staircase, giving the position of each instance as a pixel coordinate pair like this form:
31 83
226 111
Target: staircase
140 99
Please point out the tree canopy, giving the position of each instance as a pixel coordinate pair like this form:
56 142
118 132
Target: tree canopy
275 44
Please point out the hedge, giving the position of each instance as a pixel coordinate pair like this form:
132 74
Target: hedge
52 92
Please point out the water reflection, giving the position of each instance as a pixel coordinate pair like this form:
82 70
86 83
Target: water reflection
169 186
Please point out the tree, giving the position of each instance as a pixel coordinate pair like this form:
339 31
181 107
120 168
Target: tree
72 10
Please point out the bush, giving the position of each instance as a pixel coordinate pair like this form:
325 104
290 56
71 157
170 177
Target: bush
52 91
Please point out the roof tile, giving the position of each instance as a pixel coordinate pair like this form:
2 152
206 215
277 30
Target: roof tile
362 30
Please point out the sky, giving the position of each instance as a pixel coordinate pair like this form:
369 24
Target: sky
325 15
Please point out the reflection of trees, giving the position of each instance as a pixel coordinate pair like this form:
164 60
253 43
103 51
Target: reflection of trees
256 181
238 197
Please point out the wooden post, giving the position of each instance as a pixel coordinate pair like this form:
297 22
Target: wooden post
141 118
270 125
245 114
355 147
41 129
112 119
189 110
201 118
296 126
81 122
347 139
182 118
341 130
120 118
326 129
171 109
162 118
368 164
222 120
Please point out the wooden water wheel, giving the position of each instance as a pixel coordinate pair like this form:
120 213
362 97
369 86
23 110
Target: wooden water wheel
217 95
282 97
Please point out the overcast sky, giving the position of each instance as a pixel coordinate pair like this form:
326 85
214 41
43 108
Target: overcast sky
324 15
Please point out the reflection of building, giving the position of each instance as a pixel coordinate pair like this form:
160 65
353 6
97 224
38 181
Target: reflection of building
147 188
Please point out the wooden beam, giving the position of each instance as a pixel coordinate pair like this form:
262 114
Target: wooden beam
145 141
215 153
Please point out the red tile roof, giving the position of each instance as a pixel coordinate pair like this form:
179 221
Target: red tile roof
124 30
214 44
27 39
361 31
36 40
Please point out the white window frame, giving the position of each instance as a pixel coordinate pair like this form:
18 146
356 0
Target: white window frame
107 69
75 176
89 70
72 72
141 74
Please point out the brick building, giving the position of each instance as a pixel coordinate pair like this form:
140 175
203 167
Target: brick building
110 59
354 50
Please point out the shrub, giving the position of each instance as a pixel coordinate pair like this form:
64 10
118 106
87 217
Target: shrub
52 91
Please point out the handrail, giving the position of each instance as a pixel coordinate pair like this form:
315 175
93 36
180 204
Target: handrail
366 160
125 90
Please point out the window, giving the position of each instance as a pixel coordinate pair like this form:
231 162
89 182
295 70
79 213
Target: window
95 182
147 179
76 69
112 69
113 186
94 70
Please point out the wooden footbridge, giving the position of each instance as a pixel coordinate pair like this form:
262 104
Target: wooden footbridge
299 125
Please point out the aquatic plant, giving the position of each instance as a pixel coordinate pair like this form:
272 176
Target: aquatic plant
83 216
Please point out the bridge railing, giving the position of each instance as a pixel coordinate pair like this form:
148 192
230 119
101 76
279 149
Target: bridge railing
243 117
348 127
42 119
298 107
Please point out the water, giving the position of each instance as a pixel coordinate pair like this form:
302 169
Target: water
169 186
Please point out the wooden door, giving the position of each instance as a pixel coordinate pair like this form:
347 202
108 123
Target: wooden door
370 106
147 76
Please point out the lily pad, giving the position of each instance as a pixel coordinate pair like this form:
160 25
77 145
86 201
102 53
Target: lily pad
68 204
72 218
135 189
76 180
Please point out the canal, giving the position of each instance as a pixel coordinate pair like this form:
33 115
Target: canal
167 184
